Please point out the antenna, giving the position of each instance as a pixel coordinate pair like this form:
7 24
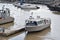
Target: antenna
31 17
32 14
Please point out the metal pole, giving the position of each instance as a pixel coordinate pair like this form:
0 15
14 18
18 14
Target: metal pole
21 2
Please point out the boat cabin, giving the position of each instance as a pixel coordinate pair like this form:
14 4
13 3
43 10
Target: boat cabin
31 23
35 22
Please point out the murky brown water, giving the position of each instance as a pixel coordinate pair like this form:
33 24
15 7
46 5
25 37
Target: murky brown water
52 33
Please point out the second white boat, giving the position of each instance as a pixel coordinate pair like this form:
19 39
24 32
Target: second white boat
26 6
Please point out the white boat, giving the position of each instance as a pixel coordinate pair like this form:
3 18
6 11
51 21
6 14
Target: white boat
26 6
29 6
5 16
37 24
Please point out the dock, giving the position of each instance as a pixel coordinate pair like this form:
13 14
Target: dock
12 30
6 20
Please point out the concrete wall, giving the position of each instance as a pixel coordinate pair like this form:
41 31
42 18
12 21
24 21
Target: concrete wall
38 1
35 1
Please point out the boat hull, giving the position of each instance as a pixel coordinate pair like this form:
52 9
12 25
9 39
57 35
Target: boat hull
26 6
30 7
6 20
37 28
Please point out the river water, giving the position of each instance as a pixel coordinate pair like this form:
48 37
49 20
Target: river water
52 33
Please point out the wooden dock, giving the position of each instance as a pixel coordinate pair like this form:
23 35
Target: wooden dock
6 20
13 30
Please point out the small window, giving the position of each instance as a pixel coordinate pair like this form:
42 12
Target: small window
40 22
32 23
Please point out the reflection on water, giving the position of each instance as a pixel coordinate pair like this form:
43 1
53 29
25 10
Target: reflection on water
38 35
52 33
57 13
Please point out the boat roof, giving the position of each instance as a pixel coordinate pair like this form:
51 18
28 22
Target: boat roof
35 19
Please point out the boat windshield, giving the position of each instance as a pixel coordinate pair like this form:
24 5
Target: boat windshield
32 23
40 22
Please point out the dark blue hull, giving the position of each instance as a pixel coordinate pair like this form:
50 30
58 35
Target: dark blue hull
56 8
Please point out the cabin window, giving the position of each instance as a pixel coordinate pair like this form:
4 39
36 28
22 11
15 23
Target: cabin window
40 22
32 23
